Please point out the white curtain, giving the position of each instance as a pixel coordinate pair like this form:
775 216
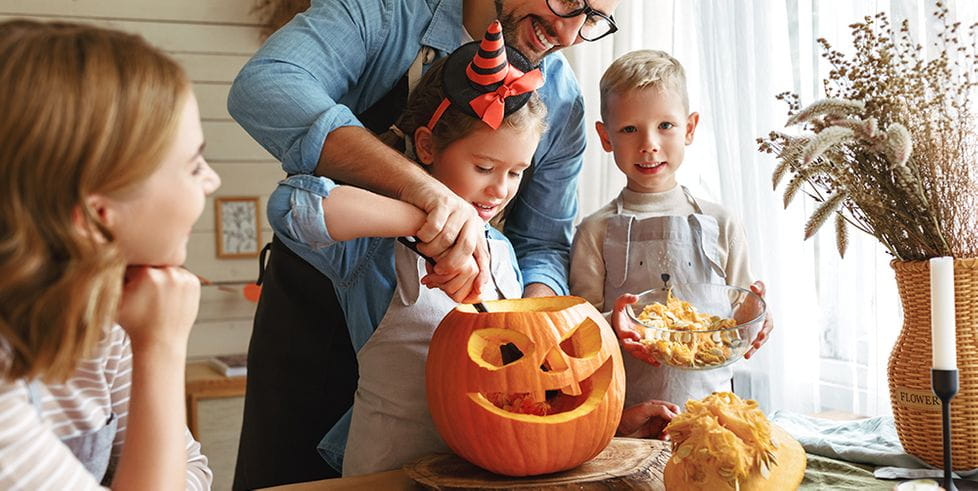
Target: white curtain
836 319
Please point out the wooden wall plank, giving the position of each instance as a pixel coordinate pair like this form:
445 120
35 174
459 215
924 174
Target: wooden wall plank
213 101
248 178
219 338
206 11
177 37
242 179
211 67
202 259
228 142
224 303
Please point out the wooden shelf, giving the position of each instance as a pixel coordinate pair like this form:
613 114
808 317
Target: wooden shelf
203 382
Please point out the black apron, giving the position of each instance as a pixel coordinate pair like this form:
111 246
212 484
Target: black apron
302 369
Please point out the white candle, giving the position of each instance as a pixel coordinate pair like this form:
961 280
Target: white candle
942 323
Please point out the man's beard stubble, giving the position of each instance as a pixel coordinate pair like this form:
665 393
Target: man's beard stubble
508 21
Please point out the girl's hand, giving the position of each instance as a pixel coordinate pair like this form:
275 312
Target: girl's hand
461 286
758 288
647 419
628 336
159 306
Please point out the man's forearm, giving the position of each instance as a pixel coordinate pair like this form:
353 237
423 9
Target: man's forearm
355 156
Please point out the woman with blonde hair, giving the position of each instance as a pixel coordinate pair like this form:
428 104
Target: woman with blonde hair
101 180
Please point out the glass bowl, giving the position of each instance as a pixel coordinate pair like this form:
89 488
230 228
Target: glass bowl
733 317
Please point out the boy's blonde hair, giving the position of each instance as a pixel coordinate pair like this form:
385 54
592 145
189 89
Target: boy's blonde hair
85 111
642 69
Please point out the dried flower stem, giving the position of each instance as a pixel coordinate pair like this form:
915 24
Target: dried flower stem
892 151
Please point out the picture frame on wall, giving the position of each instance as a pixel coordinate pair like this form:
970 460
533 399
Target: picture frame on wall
237 229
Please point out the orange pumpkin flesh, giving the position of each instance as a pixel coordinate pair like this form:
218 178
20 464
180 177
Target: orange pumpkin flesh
724 443
496 413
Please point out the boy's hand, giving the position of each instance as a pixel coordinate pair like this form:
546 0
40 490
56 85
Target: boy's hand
628 336
647 419
758 288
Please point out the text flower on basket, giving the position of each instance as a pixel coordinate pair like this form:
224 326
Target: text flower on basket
892 149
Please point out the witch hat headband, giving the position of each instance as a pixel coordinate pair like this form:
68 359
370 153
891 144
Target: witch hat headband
487 80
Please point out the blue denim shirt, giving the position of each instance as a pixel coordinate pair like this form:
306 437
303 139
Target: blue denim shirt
362 270
341 56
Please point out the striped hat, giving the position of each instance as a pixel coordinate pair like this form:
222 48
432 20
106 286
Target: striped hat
487 80
489 65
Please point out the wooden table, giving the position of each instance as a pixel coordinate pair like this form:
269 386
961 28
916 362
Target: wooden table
391 480
398 480
626 463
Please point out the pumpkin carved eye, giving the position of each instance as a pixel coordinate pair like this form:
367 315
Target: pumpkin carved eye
584 341
495 348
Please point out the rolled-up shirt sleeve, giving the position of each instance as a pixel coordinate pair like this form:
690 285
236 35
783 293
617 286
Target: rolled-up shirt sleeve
295 210
287 96
297 216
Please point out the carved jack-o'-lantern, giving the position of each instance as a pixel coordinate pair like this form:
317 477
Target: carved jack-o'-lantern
533 386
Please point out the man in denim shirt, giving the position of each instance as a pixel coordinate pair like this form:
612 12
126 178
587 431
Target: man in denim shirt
307 96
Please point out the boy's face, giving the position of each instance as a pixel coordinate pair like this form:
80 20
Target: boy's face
484 167
647 130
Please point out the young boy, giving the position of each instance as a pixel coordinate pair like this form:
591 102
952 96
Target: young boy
655 226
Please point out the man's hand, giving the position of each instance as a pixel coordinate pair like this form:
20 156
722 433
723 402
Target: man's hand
628 336
454 236
647 419
758 288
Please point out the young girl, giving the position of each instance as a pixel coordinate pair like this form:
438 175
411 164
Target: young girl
102 179
473 122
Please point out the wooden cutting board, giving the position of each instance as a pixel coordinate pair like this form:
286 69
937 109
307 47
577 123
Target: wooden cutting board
627 463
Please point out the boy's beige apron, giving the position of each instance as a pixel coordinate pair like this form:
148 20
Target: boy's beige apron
391 425
92 449
636 254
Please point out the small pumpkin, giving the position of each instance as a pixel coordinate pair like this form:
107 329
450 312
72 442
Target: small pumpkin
725 443
533 386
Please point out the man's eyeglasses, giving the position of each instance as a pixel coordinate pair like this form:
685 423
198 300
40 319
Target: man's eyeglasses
596 26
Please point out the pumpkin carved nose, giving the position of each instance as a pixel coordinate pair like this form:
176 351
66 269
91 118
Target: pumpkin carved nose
556 362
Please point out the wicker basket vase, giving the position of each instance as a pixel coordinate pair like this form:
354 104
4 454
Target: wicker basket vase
916 409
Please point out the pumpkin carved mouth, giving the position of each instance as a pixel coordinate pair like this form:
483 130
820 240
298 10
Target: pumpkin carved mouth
555 407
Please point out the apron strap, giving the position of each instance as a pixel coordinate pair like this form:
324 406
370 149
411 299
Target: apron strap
692 201
616 252
707 234
408 287
425 56
34 395
497 252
